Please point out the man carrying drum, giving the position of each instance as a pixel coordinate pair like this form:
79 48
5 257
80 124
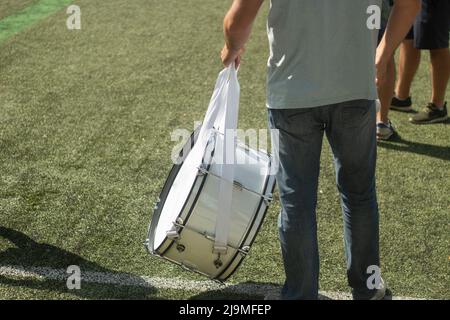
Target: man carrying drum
321 80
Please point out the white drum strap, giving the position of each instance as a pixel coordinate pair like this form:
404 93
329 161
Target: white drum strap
222 115
227 125
211 117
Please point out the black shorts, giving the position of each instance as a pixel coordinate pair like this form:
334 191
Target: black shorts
432 26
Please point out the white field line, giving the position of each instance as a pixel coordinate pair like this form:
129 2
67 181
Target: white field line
125 279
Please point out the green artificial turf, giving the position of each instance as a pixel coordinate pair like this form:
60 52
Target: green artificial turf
9 7
85 123
13 22
16 288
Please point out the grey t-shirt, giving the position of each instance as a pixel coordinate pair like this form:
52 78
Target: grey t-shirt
321 52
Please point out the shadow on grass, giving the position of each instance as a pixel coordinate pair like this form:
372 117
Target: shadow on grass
240 291
43 259
430 150
246 291
29 252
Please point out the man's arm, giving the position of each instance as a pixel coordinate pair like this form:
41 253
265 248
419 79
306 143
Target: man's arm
400 21
237 27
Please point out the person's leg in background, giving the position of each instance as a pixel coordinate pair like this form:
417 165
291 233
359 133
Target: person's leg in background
440 73
351 131
385 129
408 64
300 145
432 33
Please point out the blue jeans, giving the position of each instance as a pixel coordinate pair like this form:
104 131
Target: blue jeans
351 131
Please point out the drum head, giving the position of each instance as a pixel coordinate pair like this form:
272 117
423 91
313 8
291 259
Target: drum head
175 192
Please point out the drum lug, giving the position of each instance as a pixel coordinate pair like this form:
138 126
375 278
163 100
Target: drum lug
207 236
202 170
156 204
179 223
173 235
244 250
268 199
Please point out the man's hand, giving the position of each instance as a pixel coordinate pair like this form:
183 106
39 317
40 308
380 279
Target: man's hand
229 55
237 27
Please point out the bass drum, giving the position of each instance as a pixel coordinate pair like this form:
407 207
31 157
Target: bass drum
186 237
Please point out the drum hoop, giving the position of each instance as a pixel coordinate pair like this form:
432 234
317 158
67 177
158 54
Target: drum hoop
249 230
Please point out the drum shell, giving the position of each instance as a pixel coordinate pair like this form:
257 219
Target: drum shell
193 249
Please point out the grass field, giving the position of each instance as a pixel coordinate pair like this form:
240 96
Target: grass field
9 7
85 123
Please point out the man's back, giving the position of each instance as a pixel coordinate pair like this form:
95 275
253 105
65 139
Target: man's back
322 52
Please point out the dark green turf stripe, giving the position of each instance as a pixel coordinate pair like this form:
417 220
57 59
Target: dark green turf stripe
26 17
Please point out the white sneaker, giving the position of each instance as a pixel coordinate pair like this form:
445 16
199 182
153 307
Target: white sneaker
385 131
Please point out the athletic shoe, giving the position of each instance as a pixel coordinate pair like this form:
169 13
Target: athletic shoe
431 114
401 105
385 131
